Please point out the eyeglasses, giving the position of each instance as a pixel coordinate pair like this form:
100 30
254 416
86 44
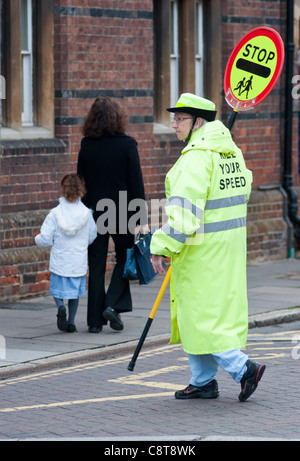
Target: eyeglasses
180 119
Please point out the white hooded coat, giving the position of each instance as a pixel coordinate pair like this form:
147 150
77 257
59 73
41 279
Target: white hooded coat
69 228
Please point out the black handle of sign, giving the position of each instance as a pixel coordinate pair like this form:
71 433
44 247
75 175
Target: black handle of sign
232 119
150 319
139 346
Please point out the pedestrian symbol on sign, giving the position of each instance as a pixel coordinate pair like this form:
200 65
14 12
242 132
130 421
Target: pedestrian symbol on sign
247 86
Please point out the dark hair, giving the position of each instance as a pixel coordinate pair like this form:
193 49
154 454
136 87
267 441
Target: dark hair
105 116
72 187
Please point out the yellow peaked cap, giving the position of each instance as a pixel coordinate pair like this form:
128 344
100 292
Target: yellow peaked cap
195 105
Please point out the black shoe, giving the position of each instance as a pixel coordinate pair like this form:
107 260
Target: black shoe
95 329
71 328
114 318
250 379
209 391
62 323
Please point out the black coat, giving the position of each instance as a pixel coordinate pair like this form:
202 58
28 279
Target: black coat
108 165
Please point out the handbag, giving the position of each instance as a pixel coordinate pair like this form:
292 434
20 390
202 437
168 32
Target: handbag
130 271
138 265
144 266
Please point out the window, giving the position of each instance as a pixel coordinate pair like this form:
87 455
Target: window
26 55
27 67
2 89
187 36
174 58
199 48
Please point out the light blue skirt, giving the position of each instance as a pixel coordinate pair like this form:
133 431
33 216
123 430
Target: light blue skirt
67 287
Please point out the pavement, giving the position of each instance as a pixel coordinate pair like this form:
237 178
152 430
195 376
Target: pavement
30 340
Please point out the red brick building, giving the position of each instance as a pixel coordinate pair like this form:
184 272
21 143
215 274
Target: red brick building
57 56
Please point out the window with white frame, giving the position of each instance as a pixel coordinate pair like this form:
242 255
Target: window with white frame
199 49
174 58
26 28
180 52
26 52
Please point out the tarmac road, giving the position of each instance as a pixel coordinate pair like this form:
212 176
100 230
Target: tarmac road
101 400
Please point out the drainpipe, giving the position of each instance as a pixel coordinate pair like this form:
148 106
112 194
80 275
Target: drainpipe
287 161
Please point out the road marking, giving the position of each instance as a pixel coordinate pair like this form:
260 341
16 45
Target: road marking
269 356
80 402
87 366
278 336
149 374
139 379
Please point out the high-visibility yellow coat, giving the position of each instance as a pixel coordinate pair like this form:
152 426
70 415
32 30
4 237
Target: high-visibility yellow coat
207 191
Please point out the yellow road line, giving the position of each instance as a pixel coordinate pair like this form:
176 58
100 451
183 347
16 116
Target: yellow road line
80 402
86 366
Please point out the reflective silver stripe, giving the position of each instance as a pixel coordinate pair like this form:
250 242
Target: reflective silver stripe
176 235
186 204
224 225
226 202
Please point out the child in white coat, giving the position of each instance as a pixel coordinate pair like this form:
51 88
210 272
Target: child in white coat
69 229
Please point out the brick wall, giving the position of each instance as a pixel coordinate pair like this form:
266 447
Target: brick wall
30 175
103 51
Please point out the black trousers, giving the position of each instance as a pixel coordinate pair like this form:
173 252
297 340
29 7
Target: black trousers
118 293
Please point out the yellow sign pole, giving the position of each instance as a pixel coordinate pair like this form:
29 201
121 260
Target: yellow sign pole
160 293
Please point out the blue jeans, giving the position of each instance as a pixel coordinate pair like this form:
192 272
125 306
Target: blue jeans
205 367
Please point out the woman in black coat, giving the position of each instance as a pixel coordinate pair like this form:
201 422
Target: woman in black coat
109 163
